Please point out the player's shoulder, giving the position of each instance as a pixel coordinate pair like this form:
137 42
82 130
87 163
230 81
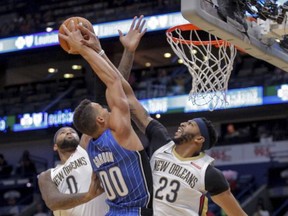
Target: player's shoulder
107 134
166 149
207 158
156 126
44 175
46 172
212 172
80 150
85 140
215 181
79 153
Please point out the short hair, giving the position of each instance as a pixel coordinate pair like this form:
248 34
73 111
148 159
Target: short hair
213 136
58 131
84 118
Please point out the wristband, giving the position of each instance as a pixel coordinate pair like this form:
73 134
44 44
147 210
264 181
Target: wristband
101 53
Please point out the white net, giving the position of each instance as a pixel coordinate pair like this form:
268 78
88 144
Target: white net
209 62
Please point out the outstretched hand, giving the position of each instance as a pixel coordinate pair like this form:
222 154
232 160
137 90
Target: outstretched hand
131 40
92 40
73 37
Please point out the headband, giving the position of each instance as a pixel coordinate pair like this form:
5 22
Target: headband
204 132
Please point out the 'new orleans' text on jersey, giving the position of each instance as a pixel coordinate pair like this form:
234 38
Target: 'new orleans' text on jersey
174 169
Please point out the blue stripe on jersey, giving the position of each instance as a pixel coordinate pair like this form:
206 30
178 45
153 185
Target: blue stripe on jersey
121 173
124 212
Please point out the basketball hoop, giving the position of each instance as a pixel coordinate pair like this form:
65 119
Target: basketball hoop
209 62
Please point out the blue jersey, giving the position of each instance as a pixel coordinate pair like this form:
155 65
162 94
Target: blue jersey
125 175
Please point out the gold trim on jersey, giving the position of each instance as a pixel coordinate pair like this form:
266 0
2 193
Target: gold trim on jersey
202 154
205 207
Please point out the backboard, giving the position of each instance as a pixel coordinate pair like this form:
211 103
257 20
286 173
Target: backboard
257 27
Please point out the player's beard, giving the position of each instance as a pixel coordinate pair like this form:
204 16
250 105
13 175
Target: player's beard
69 144
183 139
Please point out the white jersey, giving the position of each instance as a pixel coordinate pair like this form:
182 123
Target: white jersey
173 175
74 177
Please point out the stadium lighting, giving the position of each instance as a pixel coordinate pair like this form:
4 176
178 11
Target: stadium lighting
167 55
52 70
147 64
68 75
76 67
49 29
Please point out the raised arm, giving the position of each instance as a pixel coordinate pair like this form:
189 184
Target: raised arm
139 114
116 99
219 190
55 200
228 203
130 42
119 121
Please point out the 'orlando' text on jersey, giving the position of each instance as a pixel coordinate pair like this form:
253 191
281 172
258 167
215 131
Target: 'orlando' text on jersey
122 173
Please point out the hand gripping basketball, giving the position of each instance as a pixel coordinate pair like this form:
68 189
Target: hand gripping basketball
77 20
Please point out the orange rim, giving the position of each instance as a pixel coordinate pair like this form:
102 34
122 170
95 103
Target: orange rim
189 27
251 19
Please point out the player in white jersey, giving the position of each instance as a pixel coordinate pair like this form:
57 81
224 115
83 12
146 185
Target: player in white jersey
182 173
179 184
67 189
52 196
191 140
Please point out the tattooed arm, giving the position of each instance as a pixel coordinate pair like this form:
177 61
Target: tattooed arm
55 200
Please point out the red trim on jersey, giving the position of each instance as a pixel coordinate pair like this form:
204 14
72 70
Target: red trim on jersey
202 201
198 167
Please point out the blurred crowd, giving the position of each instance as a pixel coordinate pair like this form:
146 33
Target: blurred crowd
19 192
25 17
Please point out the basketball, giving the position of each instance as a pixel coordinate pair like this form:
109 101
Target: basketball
86 23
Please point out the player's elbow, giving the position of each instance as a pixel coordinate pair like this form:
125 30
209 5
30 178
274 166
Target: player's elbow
51 204
51 207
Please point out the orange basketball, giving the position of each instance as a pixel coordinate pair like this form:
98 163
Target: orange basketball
77 20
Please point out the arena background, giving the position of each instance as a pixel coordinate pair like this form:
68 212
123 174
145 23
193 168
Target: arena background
253 156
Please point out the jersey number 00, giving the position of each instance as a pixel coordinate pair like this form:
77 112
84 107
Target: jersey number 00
113 183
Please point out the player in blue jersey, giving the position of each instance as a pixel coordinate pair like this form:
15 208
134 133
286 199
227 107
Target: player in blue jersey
182 173
107 135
